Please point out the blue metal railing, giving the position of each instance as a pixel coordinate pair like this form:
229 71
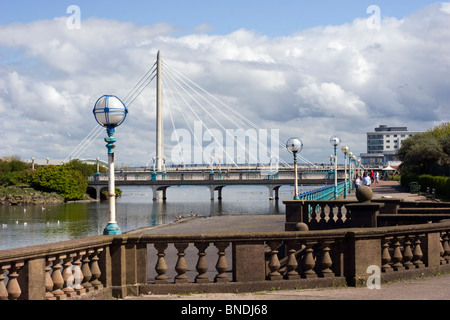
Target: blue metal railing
325 192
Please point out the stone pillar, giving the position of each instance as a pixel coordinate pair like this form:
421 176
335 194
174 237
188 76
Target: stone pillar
129 267
431 247
364 214
32 280
362 252
248 261
294 214
390 205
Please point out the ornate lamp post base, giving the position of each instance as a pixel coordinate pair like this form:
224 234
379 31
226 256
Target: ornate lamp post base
111 228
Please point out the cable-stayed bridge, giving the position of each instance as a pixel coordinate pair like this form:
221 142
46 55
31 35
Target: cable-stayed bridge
246 154
215 179
205 129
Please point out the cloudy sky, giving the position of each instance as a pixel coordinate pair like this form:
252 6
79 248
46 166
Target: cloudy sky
307 69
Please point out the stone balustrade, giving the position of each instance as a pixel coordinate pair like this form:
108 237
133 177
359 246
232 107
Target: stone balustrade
102 267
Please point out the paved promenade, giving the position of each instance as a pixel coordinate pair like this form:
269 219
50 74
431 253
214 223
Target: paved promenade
430 288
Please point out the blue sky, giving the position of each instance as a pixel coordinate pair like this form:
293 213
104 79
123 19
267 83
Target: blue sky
267 17
263 58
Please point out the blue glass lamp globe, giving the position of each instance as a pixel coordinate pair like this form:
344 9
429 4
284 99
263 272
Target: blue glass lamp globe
335 141
110 111
294 145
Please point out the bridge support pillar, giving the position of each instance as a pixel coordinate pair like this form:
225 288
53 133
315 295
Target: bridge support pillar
157 190
219 191
273 190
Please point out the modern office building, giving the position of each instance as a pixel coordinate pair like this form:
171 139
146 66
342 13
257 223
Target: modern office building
382 145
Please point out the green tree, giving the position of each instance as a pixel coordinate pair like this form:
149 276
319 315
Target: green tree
419 152
440 130
64 180
86 169
12 171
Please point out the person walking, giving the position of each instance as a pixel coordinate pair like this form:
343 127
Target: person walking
357 182
366 180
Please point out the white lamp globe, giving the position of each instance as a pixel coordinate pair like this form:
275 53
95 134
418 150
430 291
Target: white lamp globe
294 145
335 141
110 111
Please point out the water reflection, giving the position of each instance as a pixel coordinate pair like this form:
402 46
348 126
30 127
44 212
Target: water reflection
31 225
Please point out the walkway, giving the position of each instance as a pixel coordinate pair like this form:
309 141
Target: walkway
432 288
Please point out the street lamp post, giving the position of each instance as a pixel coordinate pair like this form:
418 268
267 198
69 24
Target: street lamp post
164 168
154 169
110 112
98 166
345 151
351 158
211 171
295 145
335 141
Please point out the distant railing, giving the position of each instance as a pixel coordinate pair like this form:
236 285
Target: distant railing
130 264
216 175
325 192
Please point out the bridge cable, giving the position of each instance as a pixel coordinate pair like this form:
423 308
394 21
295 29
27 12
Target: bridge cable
198 117
193 111
226 116
236 113
128 100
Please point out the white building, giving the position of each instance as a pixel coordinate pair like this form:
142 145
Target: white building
382 145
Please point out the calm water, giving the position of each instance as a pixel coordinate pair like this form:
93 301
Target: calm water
22 226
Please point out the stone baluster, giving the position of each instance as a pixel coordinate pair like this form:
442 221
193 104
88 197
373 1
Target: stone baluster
13 287
181 266
274 262
57 279
86 269
441 251
95 270
397 255
48 279
385 255
68 276
161 266
407 253
322 214
417 253
3 291
202 264
445 240
325 259
292 264
339 216
309 261
312 217
221 265
78 274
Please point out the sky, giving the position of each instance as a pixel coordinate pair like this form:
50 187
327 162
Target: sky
309 69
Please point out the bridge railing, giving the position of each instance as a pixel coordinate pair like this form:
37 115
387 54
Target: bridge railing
130 264
205 175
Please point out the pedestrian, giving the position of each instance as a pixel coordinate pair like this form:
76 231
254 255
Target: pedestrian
366 180
357 182
376 176
372 176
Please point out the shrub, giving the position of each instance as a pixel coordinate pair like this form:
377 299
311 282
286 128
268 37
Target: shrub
67 182
440 184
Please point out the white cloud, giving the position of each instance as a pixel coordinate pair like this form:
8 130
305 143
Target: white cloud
344 79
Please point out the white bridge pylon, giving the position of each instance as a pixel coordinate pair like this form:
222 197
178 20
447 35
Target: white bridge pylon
198 118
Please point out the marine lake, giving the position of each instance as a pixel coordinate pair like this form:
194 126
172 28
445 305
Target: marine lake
22 226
